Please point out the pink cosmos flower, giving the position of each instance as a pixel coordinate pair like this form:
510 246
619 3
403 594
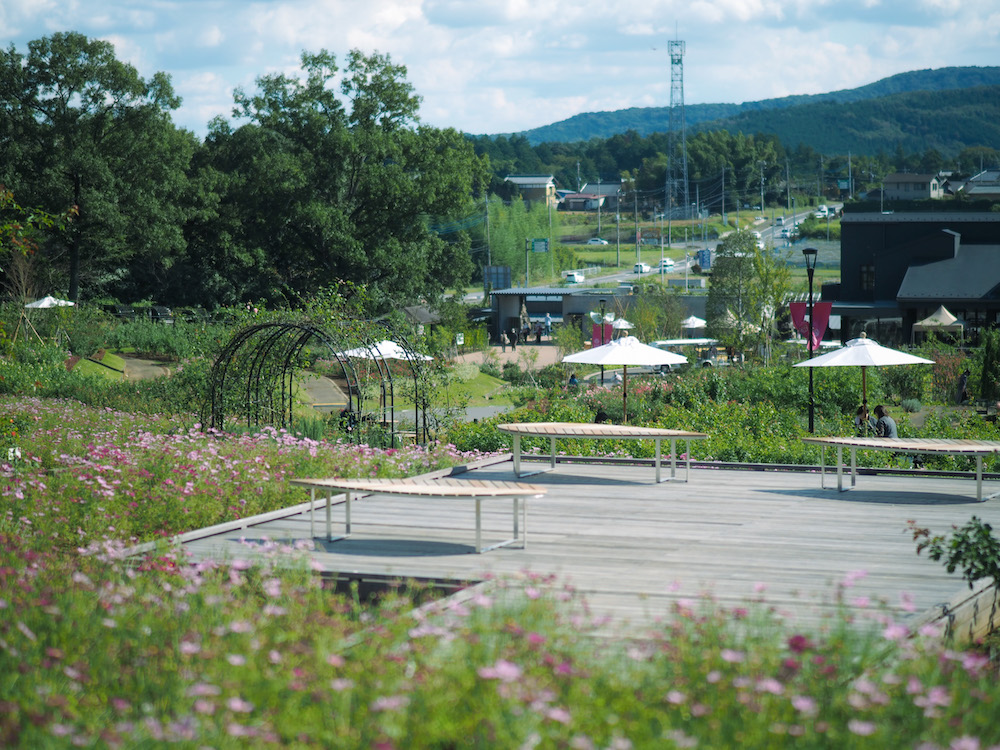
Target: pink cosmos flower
503 670
861 728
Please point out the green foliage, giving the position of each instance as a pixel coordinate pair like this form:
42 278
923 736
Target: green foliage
971 548
96 136
911 405
988 365
748 287
510 225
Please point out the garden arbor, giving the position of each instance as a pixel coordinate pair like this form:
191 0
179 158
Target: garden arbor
255 379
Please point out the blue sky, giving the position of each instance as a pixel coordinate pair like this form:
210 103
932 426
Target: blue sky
492 66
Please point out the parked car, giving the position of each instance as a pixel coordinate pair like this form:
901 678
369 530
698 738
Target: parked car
666 264
161 314
641 268
122 312
597 241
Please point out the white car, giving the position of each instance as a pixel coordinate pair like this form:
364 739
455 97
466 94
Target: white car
597 241
574 277
641 268
666 264
821 212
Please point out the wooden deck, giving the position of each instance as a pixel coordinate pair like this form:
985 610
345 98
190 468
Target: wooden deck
634 549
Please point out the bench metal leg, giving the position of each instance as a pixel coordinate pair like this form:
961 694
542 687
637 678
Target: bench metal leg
673 461
520 532
347 517
854 467
517 458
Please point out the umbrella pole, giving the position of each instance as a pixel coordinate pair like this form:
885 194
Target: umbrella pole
864 387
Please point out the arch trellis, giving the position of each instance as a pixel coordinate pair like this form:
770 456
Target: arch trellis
253 376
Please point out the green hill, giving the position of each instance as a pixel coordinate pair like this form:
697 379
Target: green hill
886 104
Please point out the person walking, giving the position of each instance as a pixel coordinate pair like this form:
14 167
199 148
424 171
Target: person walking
512 338
885 426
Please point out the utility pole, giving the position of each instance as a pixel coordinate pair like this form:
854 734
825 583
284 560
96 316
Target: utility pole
762 163
723 196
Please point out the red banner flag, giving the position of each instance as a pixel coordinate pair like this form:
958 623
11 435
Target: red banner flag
595 334
821 317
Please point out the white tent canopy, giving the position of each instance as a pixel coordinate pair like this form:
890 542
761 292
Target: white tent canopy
49 301
940 320
385 350
626 351
693 322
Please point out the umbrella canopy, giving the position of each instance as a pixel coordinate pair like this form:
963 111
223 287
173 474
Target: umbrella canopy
863 352
621 324
50 301
625 351
385 350
693 322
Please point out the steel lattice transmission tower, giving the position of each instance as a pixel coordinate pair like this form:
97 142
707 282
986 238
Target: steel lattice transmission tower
682 196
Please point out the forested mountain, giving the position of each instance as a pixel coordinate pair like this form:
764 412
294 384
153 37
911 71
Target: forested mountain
897 108
946 121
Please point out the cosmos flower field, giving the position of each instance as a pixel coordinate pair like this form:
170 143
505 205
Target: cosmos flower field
99 649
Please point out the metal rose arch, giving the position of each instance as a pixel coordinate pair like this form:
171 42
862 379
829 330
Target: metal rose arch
257 374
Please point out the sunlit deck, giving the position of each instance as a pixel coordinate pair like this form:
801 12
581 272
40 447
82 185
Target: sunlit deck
633 548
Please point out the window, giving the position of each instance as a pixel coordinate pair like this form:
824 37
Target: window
868 278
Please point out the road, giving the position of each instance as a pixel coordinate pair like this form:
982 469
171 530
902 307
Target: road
770 235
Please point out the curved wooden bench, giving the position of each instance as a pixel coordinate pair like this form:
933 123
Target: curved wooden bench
977 448
476 490
555 430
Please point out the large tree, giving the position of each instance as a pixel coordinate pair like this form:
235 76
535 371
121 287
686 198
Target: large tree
321 185
749 287
79 128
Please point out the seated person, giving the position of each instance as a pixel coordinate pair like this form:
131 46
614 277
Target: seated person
885 426
863 422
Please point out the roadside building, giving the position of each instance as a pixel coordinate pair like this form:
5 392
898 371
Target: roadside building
897 268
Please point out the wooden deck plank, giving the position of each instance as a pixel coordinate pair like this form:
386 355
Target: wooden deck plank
634 550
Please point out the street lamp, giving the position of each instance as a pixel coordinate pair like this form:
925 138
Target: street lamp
810 253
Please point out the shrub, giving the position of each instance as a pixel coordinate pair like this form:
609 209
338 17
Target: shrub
911 405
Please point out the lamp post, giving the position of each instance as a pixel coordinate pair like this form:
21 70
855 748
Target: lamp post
810 253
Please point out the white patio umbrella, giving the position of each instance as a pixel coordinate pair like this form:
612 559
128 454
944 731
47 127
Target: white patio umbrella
693 322
625 351
621 324
385 350
50 301
864 353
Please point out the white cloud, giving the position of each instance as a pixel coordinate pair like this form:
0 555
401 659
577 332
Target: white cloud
507 65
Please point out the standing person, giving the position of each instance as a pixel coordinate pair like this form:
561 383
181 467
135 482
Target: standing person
963 387
548 325
503 341
885 426
512 339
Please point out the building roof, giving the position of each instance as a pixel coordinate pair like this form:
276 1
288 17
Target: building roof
908 177
917 217
972 274
532 180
